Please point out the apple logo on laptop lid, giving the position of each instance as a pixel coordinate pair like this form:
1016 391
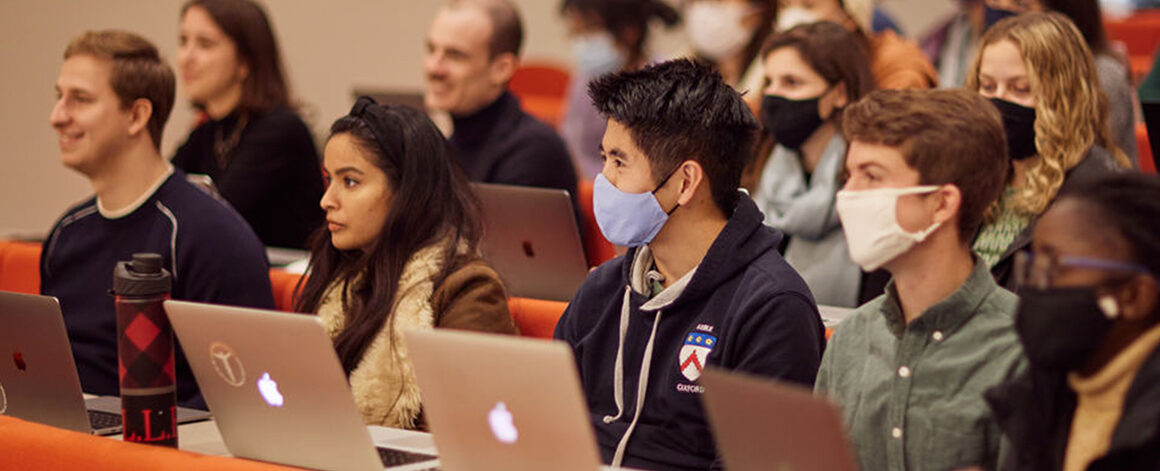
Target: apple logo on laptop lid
502 425
268 388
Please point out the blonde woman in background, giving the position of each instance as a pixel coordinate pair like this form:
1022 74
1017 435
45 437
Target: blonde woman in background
1038 71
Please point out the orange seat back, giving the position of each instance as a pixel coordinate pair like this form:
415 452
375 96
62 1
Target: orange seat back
542 90
20 272
20 267
1140 35
599 249
536 317
30 446
1139 32
541 79
1144 150
545 108
283 283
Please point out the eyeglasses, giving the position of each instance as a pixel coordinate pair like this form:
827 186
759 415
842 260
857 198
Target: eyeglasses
1039 271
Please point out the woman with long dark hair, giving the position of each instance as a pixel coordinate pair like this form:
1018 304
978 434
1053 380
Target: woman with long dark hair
400 250
255 148
812 71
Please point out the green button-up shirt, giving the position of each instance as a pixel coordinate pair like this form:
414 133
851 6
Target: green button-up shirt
912 395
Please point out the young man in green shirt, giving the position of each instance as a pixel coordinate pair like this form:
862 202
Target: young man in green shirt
909 368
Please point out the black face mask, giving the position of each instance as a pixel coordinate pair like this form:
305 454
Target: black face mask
790 122
1019 125
994 15
1060 328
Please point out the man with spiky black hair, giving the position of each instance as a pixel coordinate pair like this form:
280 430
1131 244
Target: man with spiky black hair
702 282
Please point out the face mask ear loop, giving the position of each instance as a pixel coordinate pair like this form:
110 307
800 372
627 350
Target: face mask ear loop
666 179
923 234
663 182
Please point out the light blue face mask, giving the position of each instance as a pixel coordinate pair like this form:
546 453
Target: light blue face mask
628 219
596 54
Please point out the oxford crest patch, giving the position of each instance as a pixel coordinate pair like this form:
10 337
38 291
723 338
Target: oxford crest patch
693 354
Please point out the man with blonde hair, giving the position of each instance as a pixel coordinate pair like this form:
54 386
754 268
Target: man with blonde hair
114 95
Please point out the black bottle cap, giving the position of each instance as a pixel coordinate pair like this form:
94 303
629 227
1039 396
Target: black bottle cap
142 276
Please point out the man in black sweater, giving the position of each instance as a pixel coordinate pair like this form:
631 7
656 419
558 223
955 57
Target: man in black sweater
114 96
472 52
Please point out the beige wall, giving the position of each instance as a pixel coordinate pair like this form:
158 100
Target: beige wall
330 47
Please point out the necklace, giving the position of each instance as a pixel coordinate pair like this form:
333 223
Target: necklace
223 147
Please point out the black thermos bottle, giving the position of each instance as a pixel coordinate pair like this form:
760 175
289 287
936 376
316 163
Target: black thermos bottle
145 351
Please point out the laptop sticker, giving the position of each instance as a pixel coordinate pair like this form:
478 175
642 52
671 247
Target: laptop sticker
227 364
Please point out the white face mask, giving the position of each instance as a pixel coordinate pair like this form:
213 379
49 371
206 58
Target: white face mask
715 29
789 17
597 54
869 218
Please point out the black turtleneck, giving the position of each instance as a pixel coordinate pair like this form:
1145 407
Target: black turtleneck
272 176
502 144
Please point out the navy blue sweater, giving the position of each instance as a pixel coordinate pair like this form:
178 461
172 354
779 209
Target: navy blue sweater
503 144
744 303
272 177
213 254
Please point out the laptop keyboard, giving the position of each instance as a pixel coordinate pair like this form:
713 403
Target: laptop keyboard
392 457
102 420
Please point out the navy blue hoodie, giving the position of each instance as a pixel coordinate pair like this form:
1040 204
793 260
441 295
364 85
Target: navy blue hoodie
743 309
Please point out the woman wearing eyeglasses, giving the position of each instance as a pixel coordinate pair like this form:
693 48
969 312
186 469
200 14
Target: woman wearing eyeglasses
400 250
1089 321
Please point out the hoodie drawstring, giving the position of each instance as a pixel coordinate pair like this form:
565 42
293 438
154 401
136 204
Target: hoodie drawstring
642 380
618 370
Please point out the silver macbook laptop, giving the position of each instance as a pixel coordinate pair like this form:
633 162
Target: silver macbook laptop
38 377
502 403
278 392
761 424
532 239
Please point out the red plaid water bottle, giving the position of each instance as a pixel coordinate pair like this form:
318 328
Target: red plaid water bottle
145 351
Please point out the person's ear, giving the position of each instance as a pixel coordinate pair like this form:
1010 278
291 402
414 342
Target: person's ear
502 68
833 100
947 204
139 113
243 71
690 175
1137 297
